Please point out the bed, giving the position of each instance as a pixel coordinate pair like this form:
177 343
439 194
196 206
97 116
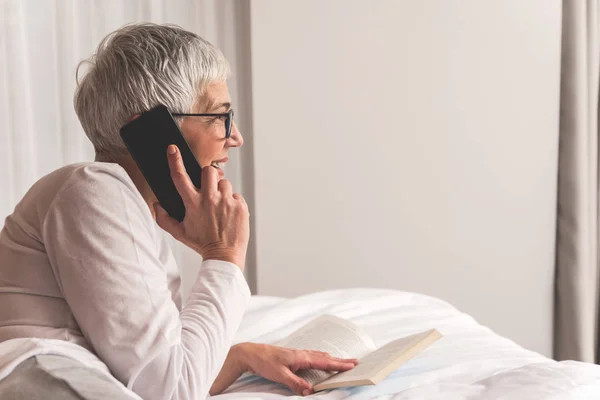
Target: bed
469 362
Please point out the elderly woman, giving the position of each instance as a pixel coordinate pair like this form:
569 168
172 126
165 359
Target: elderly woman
89 290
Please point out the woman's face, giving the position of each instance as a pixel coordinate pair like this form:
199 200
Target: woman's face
206 135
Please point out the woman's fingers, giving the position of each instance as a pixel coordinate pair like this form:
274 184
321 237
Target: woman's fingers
344 360
326 364
280 364
210 179
294 382
322 361
179 175
225 188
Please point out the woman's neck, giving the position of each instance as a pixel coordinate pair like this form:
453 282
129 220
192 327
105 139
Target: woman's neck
139 181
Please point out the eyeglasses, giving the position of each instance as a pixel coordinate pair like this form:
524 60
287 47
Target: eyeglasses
228 119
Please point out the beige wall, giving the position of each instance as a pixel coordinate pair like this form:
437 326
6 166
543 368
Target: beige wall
410 145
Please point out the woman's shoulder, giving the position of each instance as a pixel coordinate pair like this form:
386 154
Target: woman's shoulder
94 181
91 173
82 179
96 193
82 183
83 190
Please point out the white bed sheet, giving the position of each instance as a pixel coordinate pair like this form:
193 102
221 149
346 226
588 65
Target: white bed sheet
469 362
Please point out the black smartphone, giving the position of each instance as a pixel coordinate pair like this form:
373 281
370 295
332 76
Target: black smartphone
147 139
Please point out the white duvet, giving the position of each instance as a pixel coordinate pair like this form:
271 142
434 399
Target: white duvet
469 362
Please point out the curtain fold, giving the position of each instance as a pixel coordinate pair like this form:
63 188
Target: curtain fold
576 305
41 43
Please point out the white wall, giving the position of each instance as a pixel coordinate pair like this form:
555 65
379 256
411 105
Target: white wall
410 145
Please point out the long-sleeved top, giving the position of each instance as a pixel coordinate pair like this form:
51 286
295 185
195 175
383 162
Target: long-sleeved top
83 261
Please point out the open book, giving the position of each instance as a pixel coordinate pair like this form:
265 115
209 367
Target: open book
343 339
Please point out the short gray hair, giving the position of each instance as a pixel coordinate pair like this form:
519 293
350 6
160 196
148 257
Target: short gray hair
136 68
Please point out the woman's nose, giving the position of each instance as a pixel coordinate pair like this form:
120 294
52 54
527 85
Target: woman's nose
236 139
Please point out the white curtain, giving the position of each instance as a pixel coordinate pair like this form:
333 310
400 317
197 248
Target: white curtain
41 42
577 268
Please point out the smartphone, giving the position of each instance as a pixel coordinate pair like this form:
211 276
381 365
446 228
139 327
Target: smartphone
147 139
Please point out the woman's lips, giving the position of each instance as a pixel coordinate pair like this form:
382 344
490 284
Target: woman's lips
221 162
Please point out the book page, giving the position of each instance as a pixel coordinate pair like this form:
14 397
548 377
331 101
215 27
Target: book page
386 359
336 336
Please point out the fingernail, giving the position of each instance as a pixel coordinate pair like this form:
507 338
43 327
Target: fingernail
172 149
306 392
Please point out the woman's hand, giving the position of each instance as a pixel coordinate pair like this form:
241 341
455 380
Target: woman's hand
216 223
277 364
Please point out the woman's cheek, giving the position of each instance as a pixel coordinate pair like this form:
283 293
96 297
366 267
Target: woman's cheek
200 151
206 148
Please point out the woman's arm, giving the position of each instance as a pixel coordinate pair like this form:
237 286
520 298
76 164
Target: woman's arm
100 239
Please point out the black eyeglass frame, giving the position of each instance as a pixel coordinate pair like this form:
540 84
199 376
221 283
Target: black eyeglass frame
228 119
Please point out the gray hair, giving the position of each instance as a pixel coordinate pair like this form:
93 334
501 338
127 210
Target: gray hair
136 68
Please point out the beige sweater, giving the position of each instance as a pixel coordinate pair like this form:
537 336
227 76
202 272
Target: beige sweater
82 260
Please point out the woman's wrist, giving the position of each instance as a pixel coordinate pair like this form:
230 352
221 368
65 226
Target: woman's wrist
239 357
235 365
238 261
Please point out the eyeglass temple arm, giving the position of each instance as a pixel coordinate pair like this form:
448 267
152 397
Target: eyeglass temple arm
199 115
